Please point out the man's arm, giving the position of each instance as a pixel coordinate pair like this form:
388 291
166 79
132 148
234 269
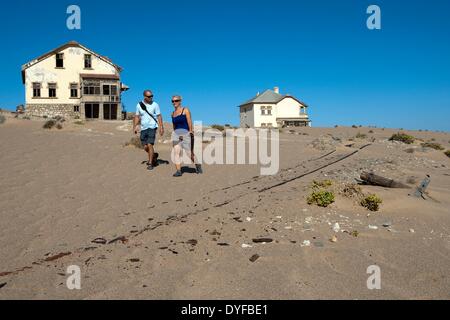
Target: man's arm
161 125
136 121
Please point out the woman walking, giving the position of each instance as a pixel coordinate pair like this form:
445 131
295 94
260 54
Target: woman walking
183 129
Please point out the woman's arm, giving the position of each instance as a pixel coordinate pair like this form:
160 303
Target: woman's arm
189 120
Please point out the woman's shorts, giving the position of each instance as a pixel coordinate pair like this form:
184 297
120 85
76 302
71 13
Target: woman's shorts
186 142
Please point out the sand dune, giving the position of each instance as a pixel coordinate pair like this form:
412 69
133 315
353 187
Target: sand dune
77 196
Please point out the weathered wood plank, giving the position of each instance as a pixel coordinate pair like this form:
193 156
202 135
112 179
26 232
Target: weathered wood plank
373 179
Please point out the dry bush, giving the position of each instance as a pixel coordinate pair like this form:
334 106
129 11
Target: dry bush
134 142
361 136
447 153
411 180
218 127
49 124
433 145
352 190
321 184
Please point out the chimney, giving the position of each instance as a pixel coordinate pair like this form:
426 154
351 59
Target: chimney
277 90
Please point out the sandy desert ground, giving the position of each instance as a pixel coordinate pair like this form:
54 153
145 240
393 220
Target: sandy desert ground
78 196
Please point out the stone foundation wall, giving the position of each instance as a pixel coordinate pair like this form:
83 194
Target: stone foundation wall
52 110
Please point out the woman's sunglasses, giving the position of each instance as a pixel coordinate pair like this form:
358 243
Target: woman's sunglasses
173 101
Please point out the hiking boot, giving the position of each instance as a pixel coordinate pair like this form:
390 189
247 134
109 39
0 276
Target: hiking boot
150 167
198 168
178 174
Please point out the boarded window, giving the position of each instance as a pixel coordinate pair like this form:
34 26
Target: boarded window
52 90
87 61
60 60
74 90
36 90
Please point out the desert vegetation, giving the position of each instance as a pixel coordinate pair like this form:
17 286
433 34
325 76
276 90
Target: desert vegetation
402 137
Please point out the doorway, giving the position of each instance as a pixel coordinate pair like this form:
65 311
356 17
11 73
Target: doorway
92 110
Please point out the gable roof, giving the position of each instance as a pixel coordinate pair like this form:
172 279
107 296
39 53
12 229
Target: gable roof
270 96
61 48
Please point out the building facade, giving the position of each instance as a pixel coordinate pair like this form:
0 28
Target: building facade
72 81
273 110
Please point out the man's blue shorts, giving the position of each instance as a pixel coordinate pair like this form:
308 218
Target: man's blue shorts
148 137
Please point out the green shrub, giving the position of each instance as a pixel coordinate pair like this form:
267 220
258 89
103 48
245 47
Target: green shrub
433 145
372 202
402 137
447 153
322 198
354 126
218 127
49 124
2 119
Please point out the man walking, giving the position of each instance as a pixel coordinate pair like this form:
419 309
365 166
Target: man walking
149 116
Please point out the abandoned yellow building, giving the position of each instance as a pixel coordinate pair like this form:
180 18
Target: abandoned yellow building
73 81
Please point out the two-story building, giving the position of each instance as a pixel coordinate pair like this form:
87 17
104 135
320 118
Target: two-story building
73 81
271 109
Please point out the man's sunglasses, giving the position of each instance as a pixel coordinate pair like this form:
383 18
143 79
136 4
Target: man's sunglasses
149 96
175 101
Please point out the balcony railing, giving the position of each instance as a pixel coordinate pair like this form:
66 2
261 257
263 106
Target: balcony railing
99 98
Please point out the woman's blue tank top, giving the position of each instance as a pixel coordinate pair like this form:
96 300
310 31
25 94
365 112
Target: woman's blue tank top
180 122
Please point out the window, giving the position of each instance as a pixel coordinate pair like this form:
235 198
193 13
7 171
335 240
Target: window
109 90
106 90
302 110
76 109
91 88
52 90
74 90
36 90
266 111
114 90
87 61
60 60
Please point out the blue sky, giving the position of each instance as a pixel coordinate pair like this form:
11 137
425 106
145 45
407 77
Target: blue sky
219 53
